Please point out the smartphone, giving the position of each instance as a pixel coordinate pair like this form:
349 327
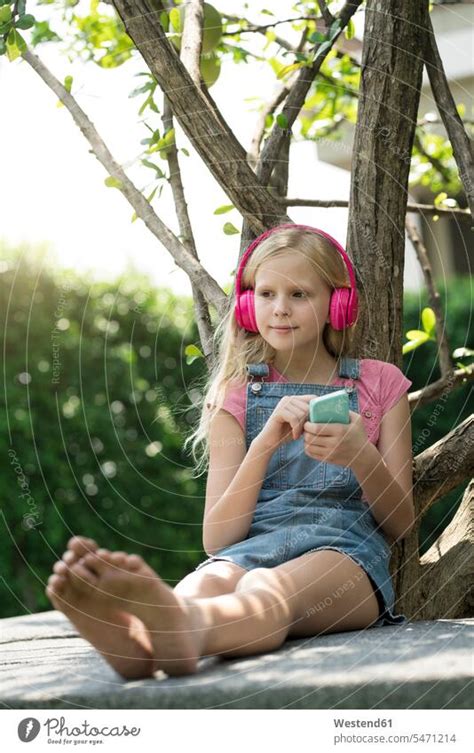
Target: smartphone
330 409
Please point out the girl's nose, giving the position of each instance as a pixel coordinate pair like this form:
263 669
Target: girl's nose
282 306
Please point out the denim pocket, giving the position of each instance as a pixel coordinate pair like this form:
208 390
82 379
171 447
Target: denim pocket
336 476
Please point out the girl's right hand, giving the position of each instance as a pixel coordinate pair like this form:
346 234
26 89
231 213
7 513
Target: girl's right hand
286 422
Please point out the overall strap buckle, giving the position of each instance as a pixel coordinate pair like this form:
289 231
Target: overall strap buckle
349 368
259 370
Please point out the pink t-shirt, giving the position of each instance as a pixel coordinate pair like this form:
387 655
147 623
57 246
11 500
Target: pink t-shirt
380 386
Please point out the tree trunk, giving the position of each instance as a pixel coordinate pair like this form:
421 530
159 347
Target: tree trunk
392 67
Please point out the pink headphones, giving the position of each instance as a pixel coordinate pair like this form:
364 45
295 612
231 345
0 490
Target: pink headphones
343 304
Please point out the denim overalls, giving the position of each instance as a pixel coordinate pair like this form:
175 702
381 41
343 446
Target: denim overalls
305 504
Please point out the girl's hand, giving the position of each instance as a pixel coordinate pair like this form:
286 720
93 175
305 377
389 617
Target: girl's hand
341 444
286 422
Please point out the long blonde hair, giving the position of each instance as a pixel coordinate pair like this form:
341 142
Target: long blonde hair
235 347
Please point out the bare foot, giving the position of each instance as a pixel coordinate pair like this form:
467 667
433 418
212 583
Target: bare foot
174 623
121 638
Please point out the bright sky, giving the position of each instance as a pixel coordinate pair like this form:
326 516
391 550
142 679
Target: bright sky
55 192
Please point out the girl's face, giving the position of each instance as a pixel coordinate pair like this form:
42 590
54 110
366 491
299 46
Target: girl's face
289 293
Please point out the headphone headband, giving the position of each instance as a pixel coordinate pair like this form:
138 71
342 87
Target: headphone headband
272 230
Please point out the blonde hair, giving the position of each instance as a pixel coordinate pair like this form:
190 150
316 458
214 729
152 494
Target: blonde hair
235 347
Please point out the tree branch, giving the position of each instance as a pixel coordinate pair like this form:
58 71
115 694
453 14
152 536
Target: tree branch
444 351
268 109
191 41
462 147
297 96
188 263
442 387
339 203
451 555
201 309
443 466
199 117
326 13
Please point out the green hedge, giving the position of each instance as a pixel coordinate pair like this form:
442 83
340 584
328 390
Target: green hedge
98 398
433 421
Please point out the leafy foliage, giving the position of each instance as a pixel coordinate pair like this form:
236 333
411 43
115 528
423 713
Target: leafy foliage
95 416
93 32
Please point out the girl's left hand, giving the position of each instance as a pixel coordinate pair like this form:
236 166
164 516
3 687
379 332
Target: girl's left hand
341 444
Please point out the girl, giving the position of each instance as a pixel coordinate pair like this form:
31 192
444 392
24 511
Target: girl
298 515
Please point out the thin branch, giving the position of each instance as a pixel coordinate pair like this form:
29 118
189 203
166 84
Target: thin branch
456 378
326 13
297 96
191 41
197 274
268 109
201 308
462 147
437 164
341 203
199 116
444 351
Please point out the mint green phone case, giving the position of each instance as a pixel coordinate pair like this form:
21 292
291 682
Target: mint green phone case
330 409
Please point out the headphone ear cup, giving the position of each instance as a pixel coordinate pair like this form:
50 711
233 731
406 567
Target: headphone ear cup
340 308
246 311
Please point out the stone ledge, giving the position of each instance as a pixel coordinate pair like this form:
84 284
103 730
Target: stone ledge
428 665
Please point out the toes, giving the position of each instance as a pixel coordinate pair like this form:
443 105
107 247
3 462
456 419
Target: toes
55 586
81 545
98 561
119 559
69 557
135 562
60 568
81 576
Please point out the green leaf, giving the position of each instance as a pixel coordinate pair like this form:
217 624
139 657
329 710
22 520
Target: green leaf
25 22
230 229
3 47
428 318
164 21
317 37
334 28
175 19
185 152
112 182
224 208
5 14
415 334
192 352
325 46
282 120
350 29
16 45
289 69
68 83
151 165
440 198
414 344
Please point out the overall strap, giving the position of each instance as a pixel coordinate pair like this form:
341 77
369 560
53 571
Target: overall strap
259 370
349 368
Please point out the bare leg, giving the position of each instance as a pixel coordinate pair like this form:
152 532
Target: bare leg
216 578
184 629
